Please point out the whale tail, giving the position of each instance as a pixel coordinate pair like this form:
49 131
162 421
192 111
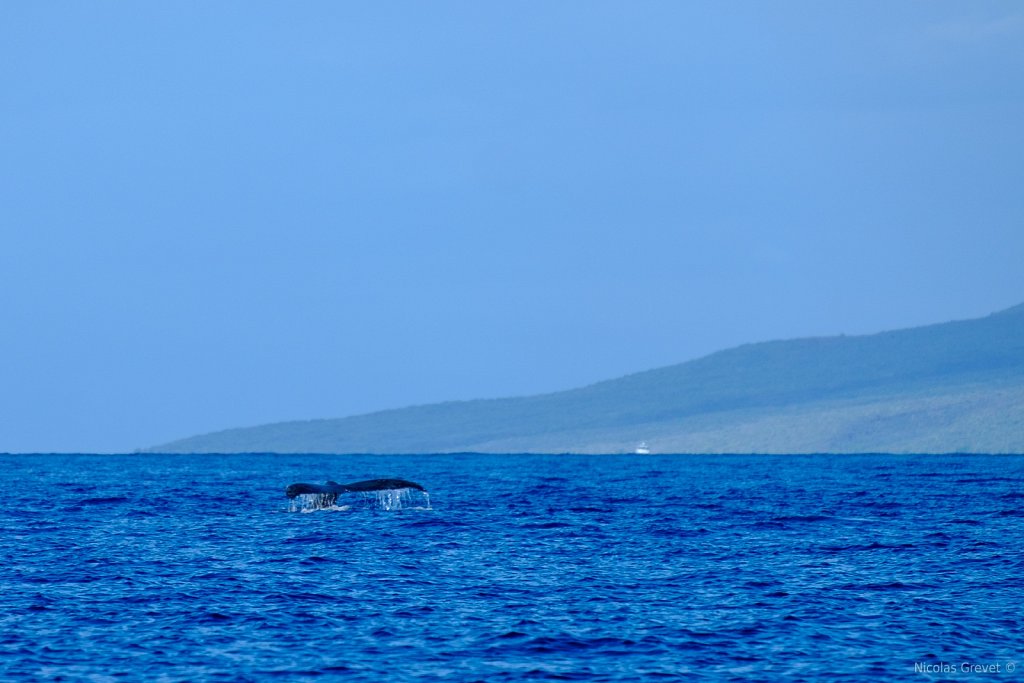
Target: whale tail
334 488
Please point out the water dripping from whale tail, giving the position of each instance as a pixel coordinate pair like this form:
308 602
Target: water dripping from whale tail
387 499
398 499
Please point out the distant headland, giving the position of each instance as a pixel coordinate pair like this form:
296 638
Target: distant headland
950 387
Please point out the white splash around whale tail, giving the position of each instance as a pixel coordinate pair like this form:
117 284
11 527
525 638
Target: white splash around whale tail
388 499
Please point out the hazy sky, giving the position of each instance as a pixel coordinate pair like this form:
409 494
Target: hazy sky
223 214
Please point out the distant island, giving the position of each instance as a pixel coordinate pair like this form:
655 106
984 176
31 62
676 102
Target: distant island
950 387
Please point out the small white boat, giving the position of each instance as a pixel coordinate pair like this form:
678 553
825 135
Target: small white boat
642 449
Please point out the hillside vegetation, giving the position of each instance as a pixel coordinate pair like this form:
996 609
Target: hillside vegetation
955 386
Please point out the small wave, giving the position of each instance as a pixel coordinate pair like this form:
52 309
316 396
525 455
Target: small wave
74 487
802 518
561 644
674 532
513 634
304 674
889 586
769 524
875 545
310 538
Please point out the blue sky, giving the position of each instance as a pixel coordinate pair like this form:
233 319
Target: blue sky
224 214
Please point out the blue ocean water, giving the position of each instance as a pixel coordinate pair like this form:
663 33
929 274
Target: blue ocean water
617 568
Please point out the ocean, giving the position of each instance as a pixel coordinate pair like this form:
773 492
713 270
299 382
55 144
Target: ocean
513 568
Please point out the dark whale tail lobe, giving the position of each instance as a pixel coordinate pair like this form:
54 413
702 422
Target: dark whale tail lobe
334 488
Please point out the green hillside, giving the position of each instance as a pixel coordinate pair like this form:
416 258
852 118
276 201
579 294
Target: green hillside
955 386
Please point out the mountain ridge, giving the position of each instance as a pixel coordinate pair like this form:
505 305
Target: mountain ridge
769 391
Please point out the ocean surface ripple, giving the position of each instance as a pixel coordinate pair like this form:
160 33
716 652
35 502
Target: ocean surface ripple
598 568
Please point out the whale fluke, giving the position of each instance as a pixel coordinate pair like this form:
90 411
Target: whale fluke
334 488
